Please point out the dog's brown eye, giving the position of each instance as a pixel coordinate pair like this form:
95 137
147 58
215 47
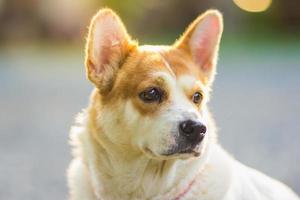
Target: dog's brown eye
197 97
151 95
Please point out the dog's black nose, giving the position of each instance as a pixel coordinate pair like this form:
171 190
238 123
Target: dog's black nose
192 131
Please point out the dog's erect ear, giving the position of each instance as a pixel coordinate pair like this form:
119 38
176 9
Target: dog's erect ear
108 44
201 40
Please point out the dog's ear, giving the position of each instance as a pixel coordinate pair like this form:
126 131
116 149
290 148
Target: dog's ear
107 46
201 41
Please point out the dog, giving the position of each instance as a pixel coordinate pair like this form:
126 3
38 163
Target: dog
147 132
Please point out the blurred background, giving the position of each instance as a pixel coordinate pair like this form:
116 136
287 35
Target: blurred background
256 97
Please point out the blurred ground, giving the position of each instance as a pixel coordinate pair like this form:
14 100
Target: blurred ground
255 101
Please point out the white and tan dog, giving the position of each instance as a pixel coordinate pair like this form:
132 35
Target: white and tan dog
147 133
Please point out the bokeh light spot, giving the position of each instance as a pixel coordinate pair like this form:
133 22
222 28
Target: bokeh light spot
253 5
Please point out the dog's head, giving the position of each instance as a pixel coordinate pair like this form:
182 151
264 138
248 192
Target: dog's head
152 99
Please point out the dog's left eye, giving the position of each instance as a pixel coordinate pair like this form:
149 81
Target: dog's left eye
197 97
151 95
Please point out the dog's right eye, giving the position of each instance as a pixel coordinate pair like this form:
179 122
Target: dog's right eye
151 95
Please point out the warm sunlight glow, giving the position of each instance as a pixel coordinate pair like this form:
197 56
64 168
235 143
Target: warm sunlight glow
253 5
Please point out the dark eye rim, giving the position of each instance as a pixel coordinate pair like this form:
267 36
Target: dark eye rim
200 97
156 98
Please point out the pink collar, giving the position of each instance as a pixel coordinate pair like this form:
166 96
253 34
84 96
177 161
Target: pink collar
185 191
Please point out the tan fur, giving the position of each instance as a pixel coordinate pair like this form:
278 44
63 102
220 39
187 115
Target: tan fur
119 141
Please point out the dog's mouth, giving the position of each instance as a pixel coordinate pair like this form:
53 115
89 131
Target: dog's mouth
178 150
189 151
174 153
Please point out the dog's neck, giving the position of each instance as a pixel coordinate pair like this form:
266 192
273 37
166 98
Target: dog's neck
139 176
116 174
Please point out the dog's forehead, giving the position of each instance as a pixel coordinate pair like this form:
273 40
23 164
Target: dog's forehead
167 62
